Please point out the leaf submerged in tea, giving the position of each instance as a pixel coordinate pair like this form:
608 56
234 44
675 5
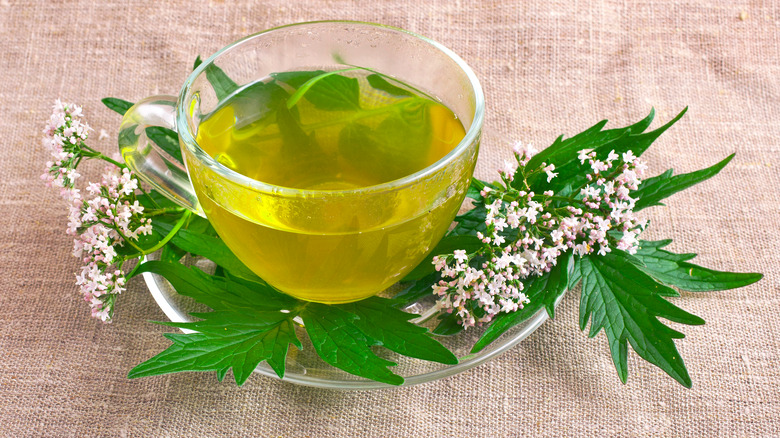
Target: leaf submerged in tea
326 131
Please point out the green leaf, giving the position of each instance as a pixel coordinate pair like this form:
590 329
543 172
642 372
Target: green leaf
197 62
674 270
219 293
241 347
626 302
295 142
417 289
448 325
167 140
209 247
340 343
296 78
653 190
153 200
171 253
391 327
222 84
329 91
470 222
446 246
379 145
380 83
542 292
475 188
118 105
564 153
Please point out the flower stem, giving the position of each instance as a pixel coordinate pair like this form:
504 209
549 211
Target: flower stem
169 236
96 154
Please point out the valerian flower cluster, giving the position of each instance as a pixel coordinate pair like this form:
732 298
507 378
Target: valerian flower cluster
525 233
105 220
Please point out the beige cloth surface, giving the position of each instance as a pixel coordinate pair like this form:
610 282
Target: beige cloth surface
547 67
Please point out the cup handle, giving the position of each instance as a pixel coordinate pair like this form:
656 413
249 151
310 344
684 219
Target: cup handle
152 164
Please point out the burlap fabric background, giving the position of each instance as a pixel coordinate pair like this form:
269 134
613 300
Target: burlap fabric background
547 67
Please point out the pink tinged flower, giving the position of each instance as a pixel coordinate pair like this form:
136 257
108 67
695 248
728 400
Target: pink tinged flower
584 155
609 188
460 255
590 192
612 156
549 171
604 249
499 224
640 167
509 169
581 249
550 255
628 240
527 150
598 166
508 306
440 290
629 157
439 263
602 224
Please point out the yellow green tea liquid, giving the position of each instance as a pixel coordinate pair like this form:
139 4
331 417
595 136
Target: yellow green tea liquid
342 134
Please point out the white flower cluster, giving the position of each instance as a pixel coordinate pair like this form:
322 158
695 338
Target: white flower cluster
107 220
526 232
64 136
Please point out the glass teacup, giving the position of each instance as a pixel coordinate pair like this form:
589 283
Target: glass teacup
332 244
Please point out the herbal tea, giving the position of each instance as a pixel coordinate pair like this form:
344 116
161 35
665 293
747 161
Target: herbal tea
337 132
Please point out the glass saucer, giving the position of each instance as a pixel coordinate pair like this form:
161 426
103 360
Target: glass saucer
304 367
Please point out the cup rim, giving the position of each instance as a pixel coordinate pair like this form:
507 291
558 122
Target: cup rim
472 133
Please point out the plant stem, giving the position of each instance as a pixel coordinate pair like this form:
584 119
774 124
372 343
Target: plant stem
143 252
169 236
96 154
159 211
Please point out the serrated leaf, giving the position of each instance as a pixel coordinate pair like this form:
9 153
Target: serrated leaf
231 322
626 303
417 289
167 140
446 246
382 84
197 62
448 325
391 327
562 151
653 190
674 270
571 172
219 293
209 247
542 292
470 222
118 105
222 84
340 343
241 347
